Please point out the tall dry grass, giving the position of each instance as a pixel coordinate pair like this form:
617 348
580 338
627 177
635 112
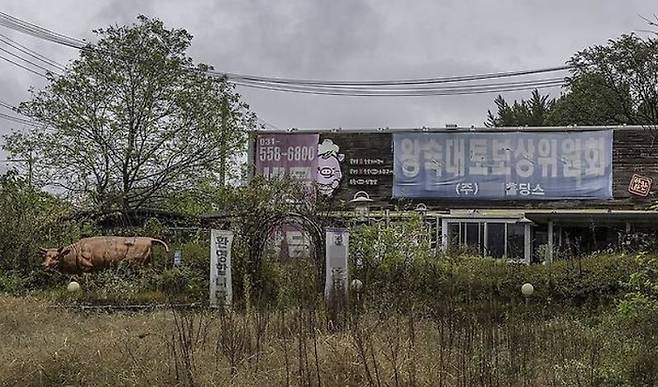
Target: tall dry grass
42 345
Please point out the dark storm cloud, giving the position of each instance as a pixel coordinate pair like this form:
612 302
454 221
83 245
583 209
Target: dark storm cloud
348 39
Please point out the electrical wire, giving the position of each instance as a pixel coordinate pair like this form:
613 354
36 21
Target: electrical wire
418 81
20 120
418 87
400 87
28 61
24 67
34 54
8 106
26 121
267 124
425 88
431 93
38 31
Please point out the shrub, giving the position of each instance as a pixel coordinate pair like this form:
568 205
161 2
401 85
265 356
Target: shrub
637 313
183 283
12 283
398 268
641 301
27 220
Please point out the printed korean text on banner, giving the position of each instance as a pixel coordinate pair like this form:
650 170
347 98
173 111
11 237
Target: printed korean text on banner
287 155
506 166
221 290
337 250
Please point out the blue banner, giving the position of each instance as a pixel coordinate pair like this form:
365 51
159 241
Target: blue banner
503 165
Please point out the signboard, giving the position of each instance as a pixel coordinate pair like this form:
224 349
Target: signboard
287 155
178 258
339 163
300 157
503 165
336 243
640 185
367 164
221 290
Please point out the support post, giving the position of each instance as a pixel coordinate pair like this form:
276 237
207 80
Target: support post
506 240
437 234
251 156
444 234
549 255
527 243
485 250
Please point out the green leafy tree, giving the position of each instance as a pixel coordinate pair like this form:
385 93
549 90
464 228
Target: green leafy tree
134 120
612 84
589 101
531 112
616 83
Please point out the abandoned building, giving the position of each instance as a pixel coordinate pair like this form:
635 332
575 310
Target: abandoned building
526 194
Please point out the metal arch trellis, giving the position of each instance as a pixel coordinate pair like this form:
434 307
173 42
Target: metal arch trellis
258 234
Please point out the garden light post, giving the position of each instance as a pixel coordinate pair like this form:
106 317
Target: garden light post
421 209
356 285
361 202
527 289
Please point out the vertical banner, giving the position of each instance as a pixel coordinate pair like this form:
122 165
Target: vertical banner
290 156
221 289
503 165
337 250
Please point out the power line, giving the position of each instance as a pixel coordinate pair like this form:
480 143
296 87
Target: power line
266 124
416 87
407 94
19 47
418 81
25 121
8 106
400 87
24 67
38 31
424 90
27 61
20 120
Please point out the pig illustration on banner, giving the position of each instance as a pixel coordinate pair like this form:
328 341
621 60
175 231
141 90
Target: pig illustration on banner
329 173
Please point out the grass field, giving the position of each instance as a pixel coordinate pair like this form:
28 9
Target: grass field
42 344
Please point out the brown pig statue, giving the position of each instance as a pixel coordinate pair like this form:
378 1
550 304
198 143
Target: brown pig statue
97 253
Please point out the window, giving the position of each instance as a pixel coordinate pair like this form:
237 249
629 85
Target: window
454 239
474 237
497 238
515 241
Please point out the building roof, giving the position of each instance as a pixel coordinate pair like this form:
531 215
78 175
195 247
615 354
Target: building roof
461 129
592 215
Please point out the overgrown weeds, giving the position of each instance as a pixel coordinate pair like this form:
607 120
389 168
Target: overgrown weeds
43 345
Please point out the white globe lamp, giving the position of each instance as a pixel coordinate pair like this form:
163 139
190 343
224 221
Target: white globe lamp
527 289
73 287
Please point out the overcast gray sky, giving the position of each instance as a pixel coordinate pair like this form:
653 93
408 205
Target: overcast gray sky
348 39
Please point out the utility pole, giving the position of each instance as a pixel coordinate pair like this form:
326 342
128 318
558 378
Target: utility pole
30 164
